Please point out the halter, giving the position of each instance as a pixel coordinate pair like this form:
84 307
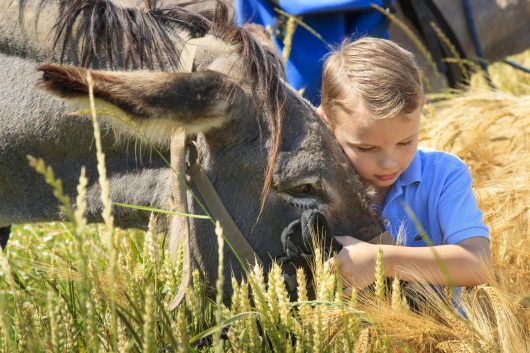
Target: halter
179 232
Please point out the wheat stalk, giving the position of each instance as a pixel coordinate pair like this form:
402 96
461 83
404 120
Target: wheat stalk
217 341
452 49
290 28
363 341
149 343
415 39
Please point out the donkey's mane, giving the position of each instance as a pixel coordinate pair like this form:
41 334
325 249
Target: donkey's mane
142 38
100 29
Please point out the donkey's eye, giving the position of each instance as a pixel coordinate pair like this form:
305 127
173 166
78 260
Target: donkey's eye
303 189
303 196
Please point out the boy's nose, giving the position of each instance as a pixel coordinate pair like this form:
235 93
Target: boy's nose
387 162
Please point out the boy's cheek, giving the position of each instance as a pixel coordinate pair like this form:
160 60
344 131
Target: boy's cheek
359 163
351 155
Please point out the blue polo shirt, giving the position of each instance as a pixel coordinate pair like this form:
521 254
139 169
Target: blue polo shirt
437 187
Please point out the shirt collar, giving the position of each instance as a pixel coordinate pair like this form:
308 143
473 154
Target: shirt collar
413 173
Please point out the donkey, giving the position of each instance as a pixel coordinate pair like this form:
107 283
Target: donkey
264 148
485 17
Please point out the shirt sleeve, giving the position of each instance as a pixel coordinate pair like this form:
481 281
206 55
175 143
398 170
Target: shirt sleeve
458 213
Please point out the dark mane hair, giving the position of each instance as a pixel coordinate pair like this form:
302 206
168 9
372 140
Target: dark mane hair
99 27
142 35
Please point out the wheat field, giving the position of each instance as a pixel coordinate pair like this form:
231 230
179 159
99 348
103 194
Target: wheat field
73 287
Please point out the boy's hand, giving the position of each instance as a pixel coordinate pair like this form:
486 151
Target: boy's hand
356 261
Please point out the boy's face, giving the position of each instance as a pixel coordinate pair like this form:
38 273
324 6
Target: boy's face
379 149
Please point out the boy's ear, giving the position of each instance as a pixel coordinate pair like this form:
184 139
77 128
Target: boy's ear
324 117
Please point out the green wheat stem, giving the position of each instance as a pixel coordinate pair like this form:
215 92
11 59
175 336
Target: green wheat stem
217 342
439 261
107 209
161 211
301 23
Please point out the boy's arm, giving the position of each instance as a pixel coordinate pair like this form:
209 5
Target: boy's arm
466 262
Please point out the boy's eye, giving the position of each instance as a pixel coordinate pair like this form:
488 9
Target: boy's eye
405 143
364 149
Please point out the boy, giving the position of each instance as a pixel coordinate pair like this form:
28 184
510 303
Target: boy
372 99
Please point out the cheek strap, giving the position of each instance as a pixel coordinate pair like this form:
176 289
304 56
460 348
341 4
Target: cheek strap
179 231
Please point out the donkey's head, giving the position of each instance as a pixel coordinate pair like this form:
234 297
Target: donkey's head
234 140
266 151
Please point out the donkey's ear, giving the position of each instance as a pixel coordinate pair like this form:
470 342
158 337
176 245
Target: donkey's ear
196 101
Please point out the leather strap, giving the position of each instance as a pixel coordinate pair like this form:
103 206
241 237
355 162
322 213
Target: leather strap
179 231
217 209
180 224
187 56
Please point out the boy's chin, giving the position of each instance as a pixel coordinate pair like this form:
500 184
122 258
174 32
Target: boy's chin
377 184
373 188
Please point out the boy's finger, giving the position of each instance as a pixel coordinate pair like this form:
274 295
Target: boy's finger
334 263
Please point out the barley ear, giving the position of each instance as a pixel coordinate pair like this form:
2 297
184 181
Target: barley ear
40 167
362 344
81 205
379 276
452 49
149 343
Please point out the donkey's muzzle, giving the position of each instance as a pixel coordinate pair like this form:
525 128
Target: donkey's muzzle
299 240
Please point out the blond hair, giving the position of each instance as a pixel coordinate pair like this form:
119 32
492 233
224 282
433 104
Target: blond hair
375 72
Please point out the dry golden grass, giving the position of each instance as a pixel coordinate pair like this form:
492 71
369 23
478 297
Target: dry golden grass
490 131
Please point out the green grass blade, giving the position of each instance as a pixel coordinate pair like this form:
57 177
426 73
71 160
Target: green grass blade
223 324
157 210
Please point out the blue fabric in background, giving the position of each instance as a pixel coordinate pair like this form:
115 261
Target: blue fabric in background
332 19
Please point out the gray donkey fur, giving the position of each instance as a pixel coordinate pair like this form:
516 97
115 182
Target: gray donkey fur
226 101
